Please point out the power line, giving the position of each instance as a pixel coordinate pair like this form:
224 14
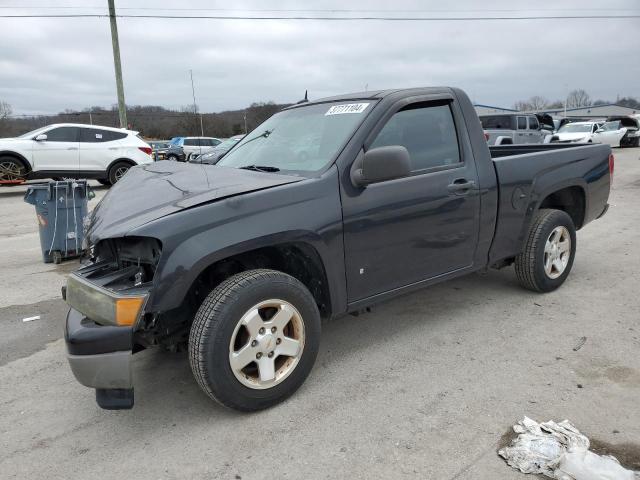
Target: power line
316 10
334 18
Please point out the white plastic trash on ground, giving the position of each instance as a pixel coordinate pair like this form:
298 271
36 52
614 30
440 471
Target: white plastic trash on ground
560 451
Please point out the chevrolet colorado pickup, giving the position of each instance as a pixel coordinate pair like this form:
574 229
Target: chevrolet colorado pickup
239 261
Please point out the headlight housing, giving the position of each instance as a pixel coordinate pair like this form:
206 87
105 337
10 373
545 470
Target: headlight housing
101 305
113 288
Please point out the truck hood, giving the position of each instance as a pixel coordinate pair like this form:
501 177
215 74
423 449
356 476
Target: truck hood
159 189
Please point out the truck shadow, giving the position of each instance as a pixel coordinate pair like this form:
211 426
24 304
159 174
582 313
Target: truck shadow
164 382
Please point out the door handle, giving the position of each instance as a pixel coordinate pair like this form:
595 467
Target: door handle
461 186
72 148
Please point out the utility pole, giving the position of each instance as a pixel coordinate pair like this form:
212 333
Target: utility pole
245 122
122 109
195 108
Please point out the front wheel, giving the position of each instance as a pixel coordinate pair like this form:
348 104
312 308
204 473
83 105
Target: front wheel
11 170
254 339
547 257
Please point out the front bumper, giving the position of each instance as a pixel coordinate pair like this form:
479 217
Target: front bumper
100 357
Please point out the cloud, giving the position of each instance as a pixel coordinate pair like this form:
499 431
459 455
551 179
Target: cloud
47 65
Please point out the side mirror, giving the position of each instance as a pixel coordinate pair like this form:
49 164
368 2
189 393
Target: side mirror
600 130
380 164
40 138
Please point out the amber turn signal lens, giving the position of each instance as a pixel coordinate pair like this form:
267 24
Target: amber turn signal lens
127 310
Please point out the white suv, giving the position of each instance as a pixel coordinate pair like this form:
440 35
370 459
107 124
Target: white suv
72 150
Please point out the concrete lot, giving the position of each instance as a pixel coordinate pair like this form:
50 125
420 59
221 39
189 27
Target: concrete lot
425 386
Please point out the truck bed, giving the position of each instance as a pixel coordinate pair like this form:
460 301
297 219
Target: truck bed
528 173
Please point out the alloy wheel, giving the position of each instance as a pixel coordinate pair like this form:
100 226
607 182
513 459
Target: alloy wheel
557 251
266 344
10 171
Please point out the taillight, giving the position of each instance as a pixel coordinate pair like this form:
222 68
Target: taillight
611 166
146 150
486 136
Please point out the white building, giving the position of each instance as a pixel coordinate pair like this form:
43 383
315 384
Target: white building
594 111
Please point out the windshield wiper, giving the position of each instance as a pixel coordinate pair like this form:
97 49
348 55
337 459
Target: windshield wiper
260 168
264 134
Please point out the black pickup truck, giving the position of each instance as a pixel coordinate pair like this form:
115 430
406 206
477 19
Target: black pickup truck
325 209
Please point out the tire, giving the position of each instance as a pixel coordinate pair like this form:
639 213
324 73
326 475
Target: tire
11 169
218 326
57 257
117 171
548 227
173 158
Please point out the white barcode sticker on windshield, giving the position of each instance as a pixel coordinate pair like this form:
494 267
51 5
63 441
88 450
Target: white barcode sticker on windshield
347 108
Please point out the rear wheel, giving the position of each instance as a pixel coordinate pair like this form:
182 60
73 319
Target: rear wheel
547 257
117 171
11 170
254 339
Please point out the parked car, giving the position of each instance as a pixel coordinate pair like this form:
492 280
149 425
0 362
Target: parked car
195 145
157 144
171 152
241 260
212 157
508 129
632 125
576 132
74 151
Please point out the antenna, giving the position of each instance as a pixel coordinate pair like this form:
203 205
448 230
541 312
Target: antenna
305 99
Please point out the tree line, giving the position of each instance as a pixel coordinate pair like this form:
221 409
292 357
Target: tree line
153 122
575 99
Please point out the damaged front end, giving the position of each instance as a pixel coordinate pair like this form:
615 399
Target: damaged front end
107 297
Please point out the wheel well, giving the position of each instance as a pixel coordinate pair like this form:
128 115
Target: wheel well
570 200
300 260
20 158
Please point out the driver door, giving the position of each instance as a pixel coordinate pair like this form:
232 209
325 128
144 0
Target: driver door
399 232
58 152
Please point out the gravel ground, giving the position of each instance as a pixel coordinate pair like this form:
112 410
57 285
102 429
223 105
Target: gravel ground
425 386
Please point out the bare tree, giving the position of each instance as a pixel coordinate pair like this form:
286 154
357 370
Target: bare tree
522 106
538 103
578 98
5 110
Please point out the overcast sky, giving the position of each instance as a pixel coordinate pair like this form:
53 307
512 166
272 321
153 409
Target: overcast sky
47 65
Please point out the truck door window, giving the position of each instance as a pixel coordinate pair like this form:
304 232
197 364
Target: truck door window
522 123
427 131
533 123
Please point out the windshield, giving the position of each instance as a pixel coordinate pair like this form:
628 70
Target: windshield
575 128
300 140
33 133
